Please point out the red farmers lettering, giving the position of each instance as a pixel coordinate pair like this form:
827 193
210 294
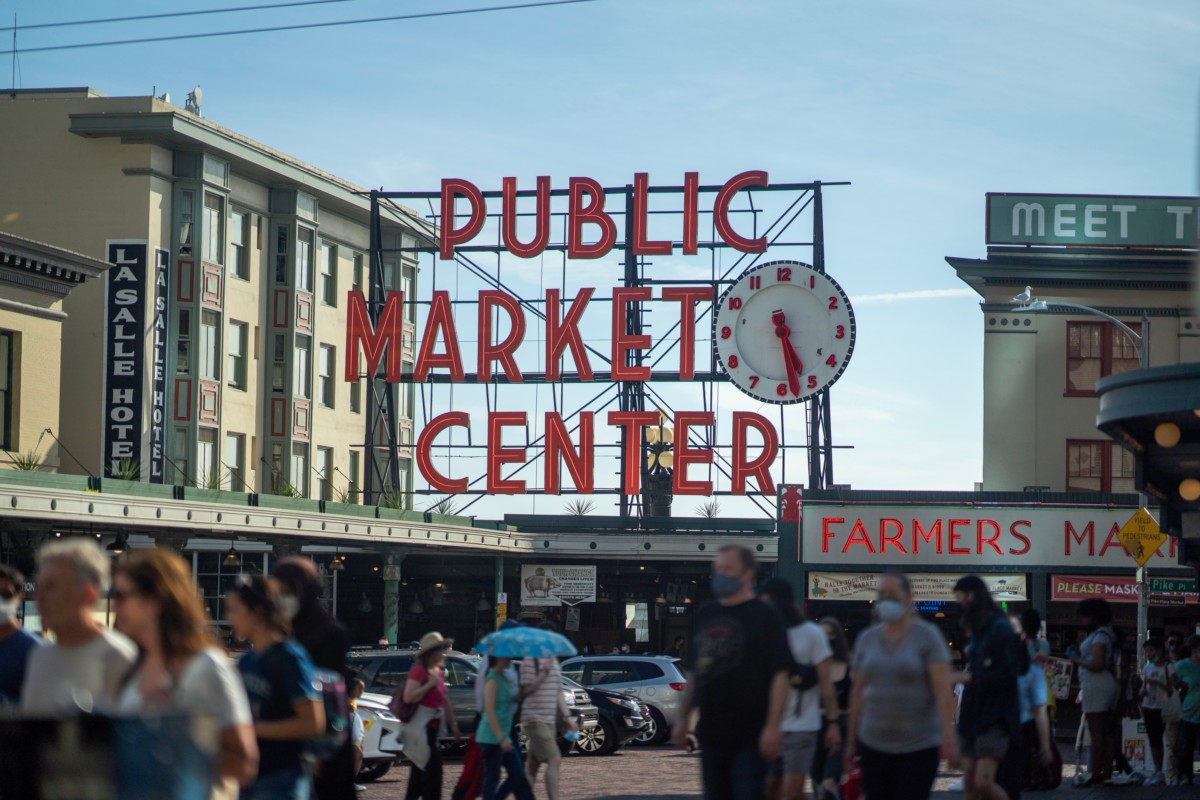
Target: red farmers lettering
1012 529
990 541
954 537
858 535
894 539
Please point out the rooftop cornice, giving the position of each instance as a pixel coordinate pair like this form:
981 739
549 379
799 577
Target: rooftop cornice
42 267
178 129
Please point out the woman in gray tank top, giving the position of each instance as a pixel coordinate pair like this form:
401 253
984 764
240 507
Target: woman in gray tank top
901 706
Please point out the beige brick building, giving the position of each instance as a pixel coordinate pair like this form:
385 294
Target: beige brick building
35 280
213 354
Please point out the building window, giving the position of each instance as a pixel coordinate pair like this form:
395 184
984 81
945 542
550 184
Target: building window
210 346
410 295
356 278
239 245
356 397
1099 466
404 397
238 337
326 369
186 199
329 275
1096 350
300 469
281 254
278 362
325 471
353 488
181 474
277 468
214 221
208 470
235 462
304 259
183 342
6 390
303 382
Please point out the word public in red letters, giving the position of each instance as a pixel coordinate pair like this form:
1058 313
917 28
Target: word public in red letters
585 212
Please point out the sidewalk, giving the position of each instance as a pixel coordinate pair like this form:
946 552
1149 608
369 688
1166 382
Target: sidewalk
1068 790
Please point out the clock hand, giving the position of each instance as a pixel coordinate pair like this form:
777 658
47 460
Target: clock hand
791 359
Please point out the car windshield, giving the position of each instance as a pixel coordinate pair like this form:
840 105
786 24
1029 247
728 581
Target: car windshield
570 684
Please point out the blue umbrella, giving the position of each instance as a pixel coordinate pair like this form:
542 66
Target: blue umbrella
525 642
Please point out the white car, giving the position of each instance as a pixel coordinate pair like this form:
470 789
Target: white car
382 747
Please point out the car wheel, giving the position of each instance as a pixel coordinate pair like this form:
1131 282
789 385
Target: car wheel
597 741
373 772
656 730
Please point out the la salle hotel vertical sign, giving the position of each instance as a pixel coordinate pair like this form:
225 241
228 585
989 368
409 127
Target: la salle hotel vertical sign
129 285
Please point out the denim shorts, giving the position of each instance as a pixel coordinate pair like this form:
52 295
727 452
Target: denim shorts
285 784
991 743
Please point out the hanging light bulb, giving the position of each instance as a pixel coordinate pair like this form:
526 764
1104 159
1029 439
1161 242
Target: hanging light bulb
231 557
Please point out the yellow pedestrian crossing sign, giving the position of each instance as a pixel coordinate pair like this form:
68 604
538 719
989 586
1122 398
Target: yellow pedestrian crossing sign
1141 537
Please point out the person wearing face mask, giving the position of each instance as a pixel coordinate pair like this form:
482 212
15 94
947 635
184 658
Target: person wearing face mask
737 680
901 716
326 642
15 641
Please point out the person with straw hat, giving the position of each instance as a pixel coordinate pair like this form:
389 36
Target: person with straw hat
426 687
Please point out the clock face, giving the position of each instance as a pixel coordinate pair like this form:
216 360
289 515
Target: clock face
783 332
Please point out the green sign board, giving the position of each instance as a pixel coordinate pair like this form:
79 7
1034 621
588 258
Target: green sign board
1093 220
1173 585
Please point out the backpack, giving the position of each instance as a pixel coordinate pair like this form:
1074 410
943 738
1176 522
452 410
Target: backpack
337 714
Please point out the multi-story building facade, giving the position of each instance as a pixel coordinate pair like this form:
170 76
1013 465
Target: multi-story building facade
217 342
1125 257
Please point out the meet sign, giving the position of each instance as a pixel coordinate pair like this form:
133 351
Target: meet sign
1093 220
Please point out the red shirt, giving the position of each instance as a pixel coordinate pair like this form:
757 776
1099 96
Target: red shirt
436 697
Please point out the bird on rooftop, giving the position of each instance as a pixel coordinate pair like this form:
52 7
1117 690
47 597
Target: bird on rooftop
1024 297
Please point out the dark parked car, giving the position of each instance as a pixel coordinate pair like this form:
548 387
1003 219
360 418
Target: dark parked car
622 719
385 670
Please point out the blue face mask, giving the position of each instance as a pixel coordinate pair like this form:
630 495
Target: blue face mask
888 610
724 586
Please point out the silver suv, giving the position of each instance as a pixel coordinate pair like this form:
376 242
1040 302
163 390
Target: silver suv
656 681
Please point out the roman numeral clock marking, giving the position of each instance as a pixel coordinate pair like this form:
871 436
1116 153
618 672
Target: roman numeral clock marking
784 332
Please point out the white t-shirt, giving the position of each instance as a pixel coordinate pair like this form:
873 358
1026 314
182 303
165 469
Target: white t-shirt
1156 696
63 680
207 685
810 647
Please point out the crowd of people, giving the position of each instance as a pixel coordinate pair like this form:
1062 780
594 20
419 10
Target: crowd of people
160 658
775 701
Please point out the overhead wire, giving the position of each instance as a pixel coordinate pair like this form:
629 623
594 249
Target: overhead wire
165 15
298 26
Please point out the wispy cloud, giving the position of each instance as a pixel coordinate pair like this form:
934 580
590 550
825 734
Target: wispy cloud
917 294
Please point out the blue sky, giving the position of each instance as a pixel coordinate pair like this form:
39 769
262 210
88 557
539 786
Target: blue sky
924 106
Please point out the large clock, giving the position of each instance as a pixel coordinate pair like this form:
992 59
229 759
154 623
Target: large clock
783 332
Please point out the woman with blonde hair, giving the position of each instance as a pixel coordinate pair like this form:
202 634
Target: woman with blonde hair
178 668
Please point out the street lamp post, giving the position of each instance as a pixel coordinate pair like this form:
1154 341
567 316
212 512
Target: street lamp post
1141 341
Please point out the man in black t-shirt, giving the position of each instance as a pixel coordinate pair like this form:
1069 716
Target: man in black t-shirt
737 680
